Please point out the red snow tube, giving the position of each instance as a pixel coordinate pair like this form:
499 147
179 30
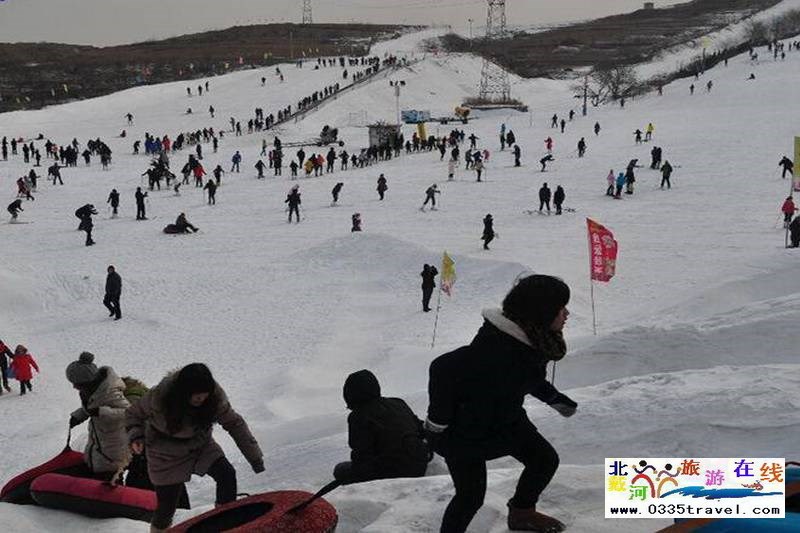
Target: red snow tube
93 498
18 489
265 513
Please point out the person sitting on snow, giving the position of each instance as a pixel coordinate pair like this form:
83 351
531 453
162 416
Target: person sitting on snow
384 434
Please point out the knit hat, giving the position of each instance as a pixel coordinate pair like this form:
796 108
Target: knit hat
536 299
83 370
360 388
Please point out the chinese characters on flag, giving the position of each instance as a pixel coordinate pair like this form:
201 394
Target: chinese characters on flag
602 251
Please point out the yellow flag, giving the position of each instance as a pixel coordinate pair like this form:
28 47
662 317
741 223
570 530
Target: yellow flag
448 278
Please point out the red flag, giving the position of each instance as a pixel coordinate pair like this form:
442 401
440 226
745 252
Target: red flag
602 251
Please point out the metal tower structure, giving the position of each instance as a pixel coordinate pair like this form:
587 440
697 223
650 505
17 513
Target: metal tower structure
307 19
495 85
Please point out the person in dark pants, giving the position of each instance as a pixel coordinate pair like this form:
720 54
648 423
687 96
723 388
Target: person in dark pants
385 436
544 197
5 352
382 187
517 156
113 292
140 196
14 208
293 199
428 274
183 224
558 199
113 199
794 232
666 172
335 192
85 215
788 166
476 398
211 187
488 231
172 425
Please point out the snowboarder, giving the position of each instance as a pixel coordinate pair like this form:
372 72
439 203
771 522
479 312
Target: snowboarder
649 131
581 147
85 215
293 199
517 155
666 172
544 197
488 231
259 166
382 187
476 397
558 199
103 404
356 219
21 364
113 199
788 166
430 196
172 425
428 275
14 208
335 192
386 438
211 187
140 210
113 292
546 159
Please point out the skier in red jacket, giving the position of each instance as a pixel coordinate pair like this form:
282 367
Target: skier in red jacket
788 209
21 364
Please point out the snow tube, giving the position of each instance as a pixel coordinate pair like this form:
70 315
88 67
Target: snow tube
172 229
265 513
18 489
93 498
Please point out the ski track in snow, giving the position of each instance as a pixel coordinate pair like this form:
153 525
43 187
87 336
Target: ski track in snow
696 352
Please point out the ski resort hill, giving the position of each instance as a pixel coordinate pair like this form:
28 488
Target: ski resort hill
696 345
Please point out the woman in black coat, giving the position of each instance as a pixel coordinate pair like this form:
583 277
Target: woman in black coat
428 274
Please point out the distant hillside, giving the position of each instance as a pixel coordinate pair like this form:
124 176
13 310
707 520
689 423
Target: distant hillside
33 75
616 40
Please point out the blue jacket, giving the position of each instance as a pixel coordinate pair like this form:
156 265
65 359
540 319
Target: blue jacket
620 179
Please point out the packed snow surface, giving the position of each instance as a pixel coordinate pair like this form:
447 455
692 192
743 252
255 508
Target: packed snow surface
696 347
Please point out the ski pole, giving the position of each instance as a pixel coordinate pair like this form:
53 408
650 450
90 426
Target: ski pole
69 438
320 493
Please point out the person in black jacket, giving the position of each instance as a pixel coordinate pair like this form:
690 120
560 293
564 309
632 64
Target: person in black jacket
14 208
384 434
794 231
113 199
293 199
140 196
488 231
544 198
477 392
113 292
85 215
558 198
428 274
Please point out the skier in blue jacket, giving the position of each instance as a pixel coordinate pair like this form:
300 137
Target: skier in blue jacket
620 183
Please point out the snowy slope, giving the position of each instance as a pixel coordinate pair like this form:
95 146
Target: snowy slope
702 309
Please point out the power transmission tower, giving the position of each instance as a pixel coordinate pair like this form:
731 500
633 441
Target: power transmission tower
495 85
307 19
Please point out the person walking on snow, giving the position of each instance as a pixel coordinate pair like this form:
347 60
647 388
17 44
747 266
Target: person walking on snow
788 166
648 135
620 183
382 187
211 187
113 293
140 208
22 365
666 172
788 209
611 181
488 231
113 199
597 128
478 168
335 192
581 147
476 403
517 155
428 275
236 160
293 199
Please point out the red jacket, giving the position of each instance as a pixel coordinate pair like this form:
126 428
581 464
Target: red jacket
788 207
199 171
22 367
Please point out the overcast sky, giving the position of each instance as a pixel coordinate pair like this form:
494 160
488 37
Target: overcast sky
104 22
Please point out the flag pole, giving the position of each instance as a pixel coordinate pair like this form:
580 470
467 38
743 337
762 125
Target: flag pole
594 314
436 320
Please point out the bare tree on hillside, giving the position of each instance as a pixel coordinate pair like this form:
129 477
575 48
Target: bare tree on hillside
608 83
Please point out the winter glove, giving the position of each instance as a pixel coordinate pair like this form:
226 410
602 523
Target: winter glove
258 467
562 403
78 417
